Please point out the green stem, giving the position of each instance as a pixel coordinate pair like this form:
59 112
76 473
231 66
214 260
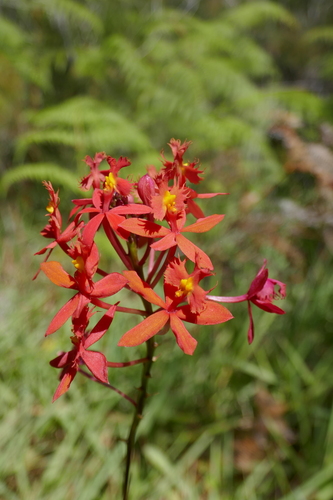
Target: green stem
138 414
145 376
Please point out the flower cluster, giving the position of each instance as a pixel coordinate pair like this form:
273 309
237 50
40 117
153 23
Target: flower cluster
150 236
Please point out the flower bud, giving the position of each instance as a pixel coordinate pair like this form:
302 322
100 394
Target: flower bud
146 189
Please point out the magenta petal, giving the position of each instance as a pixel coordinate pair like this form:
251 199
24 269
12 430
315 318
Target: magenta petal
97 364
63 315
267 306
109 285
99 330
258 282
250 333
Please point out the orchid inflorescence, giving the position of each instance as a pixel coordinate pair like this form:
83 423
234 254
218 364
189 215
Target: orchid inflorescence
133 228
150 237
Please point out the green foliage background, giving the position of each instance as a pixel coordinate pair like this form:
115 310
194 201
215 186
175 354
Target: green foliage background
249 82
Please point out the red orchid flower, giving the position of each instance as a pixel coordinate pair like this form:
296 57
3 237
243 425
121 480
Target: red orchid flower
174 236
114 183
169 202
178 168
261 293
53 229
88 291
95 177
112 216
171 312
187 285
95 361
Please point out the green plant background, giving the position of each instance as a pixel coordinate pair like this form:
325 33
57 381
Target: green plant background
249 82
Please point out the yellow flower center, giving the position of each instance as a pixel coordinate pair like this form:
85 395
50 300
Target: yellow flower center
50 208
185 287
78 263
110 182
169 202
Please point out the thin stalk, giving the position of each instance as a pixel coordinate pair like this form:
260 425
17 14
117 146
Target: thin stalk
238 298
129 310
117 245
122 394
145 376
150 344
169 256
156 265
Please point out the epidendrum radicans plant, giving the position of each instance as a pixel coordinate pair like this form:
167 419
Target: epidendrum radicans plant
151 253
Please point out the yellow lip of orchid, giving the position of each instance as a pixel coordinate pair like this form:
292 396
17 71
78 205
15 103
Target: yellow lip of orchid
185 287
169 202
50 208
110 182
78 263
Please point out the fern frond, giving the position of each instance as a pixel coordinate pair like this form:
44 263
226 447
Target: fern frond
253 14
305 104
62 137
11 35
322 34
83 122
74 13
39 172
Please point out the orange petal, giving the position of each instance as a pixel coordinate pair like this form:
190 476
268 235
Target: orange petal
203 225
184 339
144 330
56 273
194 253
141 287
143 227
212 315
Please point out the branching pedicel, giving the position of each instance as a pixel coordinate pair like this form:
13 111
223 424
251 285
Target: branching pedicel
132 229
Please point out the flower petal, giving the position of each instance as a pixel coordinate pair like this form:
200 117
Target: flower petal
65 382
267 306
184 339
57 274
212 315
91 228
132 208
97 364
194 253
100 328
250 332
109 285
258 282
203 225
63 315
144 330
144 227
141 287
65 358
166 242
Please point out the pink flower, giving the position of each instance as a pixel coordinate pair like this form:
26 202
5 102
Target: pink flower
262 292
